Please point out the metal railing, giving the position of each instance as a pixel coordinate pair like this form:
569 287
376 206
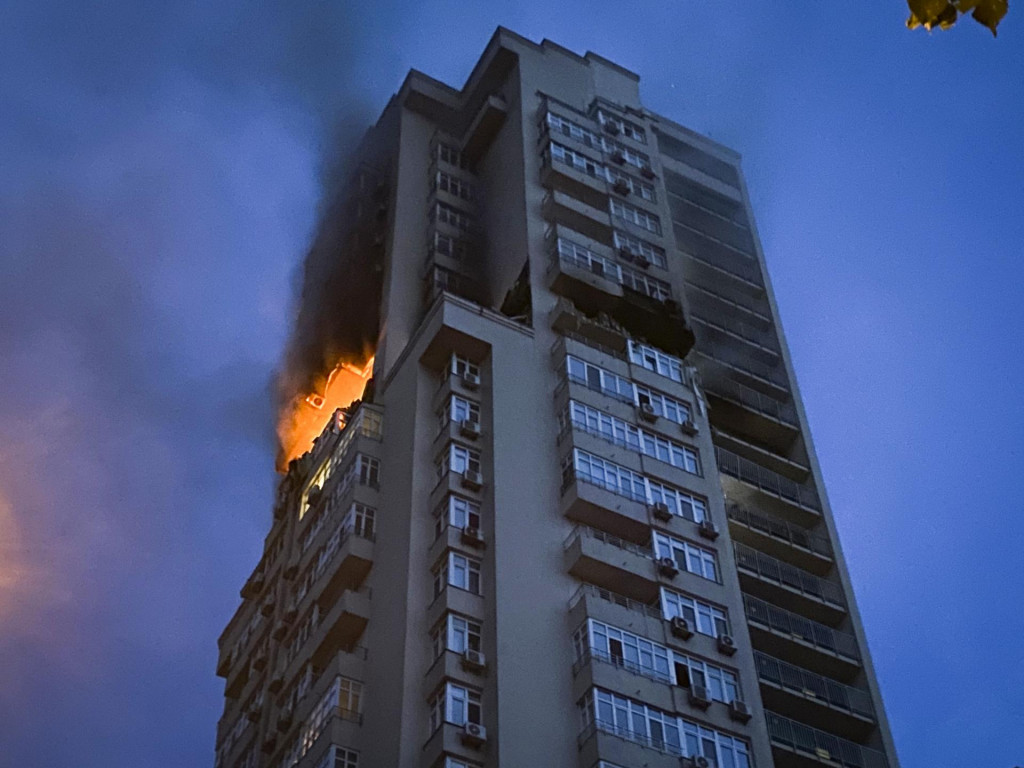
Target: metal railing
580 531
593 654
748 333
600 726
730 389
743 362
651 611
774 570
780 529
793 624
766 480
802 681
822 745
575 476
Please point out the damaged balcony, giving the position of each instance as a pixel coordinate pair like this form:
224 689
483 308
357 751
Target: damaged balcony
608 561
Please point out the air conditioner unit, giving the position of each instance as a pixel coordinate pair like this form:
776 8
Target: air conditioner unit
621 187
259 661
643 262
470 380
726 645
647 172
626 253
469 428
276 682
280 630
739 711
697 761
680 627
647 412
667 567
474 537
611 128
474 661
268 606
689 427
660 511
618 156
472 480
699 697
708 530
474 735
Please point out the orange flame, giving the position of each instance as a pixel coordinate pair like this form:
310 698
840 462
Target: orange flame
304 419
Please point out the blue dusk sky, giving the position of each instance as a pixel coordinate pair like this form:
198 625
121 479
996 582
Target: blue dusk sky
160 167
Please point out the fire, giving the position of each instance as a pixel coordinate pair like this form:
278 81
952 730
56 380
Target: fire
304 420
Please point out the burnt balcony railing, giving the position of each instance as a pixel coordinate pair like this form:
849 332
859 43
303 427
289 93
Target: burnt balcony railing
770 569
730 389
780 529
793 624
803 682
770 482
820 745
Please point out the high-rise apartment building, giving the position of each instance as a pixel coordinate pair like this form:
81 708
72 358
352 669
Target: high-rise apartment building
576 520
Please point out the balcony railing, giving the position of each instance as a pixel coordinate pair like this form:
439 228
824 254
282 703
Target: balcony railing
770 482
779 572
821 745
780 529
749 334
730 389
637 737
788 623
593 654
593 533
651 611
742 362
804 682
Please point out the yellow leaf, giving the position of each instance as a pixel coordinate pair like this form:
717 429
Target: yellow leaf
928 12
990 13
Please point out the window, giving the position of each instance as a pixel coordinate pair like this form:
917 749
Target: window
343 698
368 471
664 406
616 646
339 757
645 284
634 215
579 256
446 214
461 366
458 459
688 556
458 513
600 380
703 617
459 409
639 188
578 161
458 571
452 247
451 762
721 684
456 634
589 468
655 360
636 721
626 128
638 247
453 185
455 704
446 153
360 520
592 139
619 432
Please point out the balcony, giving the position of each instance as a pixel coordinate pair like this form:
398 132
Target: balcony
743 410
607 508
592 188
602 333
593 285
767 378
815 699
639 610
347 568
342 627
801 746
781 539
787 634
761 345
595 223
608 561
485 126
785 584
772 485
769 459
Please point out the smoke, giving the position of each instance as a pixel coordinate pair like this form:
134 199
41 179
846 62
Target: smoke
163 165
